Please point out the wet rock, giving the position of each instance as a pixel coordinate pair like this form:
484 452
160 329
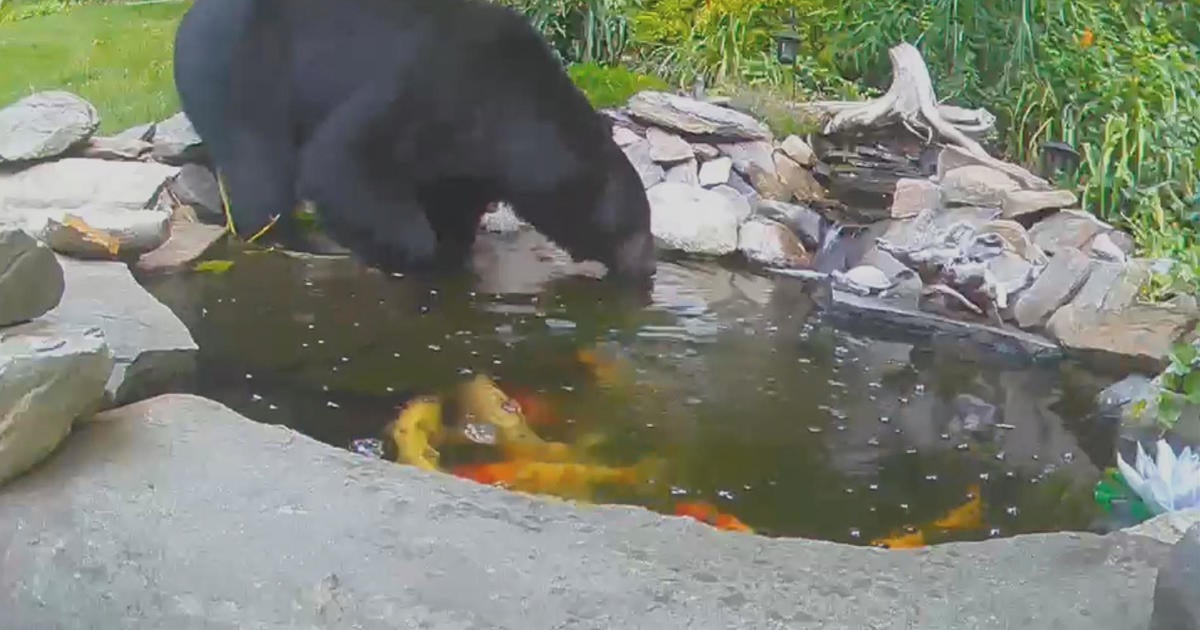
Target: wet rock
930 226
689 116
103 148
624 136
47 380
1057 283
639 155
1103 248
1177 588
798 150
802 220
739 203
895 320
1138 336
716 171
620 564
501 219
152 350
747 155
976 186
133 233
1066 229
1101 279
862 280
770 243
666 147
31 280
705 151
143 132
738 183
187 243
45 125
914 195
176 141
1018 203
693 220
683 173
98 191
196 186
797 179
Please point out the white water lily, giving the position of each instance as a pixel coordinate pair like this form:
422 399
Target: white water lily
1167 483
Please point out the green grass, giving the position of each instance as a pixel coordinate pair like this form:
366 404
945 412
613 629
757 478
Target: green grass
117 57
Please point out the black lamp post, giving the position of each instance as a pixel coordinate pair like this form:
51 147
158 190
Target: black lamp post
1058 157
787 48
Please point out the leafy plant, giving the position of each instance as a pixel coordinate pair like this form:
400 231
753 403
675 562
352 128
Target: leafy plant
611 86
581 30
1180 382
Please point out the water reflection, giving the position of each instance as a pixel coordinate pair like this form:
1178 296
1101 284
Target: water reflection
758 406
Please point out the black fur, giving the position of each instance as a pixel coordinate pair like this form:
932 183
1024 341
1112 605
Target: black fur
401 120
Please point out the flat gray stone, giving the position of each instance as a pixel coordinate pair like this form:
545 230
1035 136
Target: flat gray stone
766 242
1177 589
746 155
797 149
45 125
178 513
647 169
1018 203
112 148
668 147
693 220
1057 283
689 116
976 186
176 141
715 172
144 132
187 243
1066 229
152 349
196 186
797 179
914 195
31 280
47 380
1138 336
1101 280
686 172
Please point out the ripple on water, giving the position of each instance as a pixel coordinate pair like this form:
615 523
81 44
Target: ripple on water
758 407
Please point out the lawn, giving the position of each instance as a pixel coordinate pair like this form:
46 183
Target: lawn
118 57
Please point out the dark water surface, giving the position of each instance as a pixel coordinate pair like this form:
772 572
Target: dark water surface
757 407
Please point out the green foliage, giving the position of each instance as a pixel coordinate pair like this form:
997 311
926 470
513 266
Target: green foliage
1180 382
117 57
582 31
611 86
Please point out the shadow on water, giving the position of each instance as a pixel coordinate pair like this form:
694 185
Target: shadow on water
758 407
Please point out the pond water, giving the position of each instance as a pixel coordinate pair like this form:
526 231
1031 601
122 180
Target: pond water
750 401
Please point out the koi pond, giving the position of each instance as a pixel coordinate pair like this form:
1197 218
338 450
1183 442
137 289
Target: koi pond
725 398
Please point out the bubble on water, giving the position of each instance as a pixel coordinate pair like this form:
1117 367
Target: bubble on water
424 309
841 427
324 388
874 441
463 371
345 359
994 532
249 376
912 450
312 326
725 494
434 347
944 436
332 405
255 397
919 388
1008 474
873 487
1011 510
1068 457
676 491
963 446
395 355
1000 456
904 506
272 407
855 533
884 419
931 477
320 342
568 388
814 429
985 476
304 344
903 400
335 369
1035 457
356 324
849 490
389 389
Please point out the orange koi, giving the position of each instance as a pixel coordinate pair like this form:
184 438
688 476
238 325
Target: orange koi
537 409
708 514
966 516
416 431
562 479
911 540
484 402
605 370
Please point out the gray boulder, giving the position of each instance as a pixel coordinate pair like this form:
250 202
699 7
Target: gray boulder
176 141
44 125
31 280
1177 589
153 351
47 380
689 116
693 220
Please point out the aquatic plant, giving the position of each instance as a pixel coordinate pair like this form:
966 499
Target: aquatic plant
1167 483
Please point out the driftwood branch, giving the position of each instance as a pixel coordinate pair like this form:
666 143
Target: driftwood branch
910 100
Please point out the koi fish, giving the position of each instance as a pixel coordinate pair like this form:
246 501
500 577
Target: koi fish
536 408
708 513
606 371
966 516
483 402
911 540
562 479
415 431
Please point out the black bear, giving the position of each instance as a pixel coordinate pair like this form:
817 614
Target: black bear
401 120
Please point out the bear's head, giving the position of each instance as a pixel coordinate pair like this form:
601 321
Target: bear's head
620 219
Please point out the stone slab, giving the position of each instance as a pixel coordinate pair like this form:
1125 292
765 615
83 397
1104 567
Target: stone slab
178 513
153 351
188 242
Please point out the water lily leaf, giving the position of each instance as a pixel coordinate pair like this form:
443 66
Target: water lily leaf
213 266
